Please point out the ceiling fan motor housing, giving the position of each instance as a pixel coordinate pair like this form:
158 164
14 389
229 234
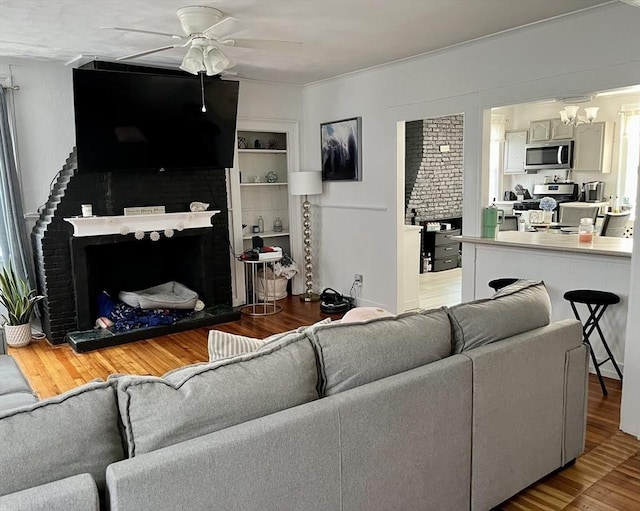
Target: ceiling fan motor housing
196 19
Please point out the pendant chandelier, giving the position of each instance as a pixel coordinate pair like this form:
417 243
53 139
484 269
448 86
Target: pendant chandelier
570 116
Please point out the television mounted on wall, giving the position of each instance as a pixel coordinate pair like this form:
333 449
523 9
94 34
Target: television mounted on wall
129 121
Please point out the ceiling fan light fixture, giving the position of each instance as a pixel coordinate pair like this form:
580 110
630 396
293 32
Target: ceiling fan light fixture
193 61
216 61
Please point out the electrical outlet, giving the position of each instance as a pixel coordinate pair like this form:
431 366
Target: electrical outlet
358 278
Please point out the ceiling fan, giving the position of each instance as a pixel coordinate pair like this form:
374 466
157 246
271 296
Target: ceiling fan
206 32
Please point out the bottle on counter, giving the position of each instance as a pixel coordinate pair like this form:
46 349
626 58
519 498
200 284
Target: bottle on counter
585 230
260 224
610 205
616 205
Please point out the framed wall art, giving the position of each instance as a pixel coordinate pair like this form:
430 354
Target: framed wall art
341 149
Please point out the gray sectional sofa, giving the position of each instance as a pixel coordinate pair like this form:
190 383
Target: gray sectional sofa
448 409
14 388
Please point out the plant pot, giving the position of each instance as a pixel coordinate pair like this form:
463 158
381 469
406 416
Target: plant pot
18 335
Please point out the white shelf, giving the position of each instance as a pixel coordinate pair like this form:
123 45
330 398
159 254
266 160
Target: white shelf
101 225
283 183
263 151
265 234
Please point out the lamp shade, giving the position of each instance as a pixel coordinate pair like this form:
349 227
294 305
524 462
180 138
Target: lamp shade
305 183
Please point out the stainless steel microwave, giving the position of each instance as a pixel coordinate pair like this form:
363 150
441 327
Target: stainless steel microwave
554 154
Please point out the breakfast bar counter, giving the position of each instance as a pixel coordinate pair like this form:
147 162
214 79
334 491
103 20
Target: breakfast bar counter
563 263
558 241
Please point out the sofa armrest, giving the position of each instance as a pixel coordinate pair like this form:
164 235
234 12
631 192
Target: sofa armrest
522 419
77 493
576 388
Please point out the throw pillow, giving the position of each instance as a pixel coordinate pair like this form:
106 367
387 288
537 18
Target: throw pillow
225 344
364 314
519 307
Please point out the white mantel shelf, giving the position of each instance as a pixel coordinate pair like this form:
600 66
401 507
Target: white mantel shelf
102 225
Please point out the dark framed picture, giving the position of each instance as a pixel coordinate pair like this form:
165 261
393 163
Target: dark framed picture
341 149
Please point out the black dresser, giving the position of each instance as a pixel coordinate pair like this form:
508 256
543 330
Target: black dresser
440 245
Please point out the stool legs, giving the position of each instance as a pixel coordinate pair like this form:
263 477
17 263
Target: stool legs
592 323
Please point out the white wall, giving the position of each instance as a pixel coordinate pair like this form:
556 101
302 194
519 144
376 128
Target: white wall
44 126
590 51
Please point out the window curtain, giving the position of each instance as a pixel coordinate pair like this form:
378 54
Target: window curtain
14 240
629 156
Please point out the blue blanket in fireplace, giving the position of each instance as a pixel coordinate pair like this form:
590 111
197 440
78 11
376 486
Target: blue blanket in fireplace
125 317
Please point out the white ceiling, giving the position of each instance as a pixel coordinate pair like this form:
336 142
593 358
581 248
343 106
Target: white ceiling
338 36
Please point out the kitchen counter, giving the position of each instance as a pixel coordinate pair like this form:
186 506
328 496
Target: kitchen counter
559 242
563 263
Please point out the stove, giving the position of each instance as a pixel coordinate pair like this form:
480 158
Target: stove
561 192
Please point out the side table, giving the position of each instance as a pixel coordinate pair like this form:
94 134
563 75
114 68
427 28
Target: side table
267 305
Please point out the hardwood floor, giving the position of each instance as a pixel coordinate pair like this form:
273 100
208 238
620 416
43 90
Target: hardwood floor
605 478
440 288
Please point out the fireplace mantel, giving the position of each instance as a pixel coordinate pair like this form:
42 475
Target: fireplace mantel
124 224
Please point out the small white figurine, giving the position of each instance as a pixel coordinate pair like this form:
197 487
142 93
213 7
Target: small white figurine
198 206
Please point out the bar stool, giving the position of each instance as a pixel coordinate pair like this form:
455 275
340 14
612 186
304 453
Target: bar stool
597 302
497 284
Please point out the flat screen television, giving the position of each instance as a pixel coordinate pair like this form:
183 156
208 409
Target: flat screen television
143 121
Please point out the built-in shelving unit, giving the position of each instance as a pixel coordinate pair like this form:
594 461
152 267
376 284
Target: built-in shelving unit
258 187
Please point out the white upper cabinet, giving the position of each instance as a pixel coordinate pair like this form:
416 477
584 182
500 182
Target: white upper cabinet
593 147
540 131
560 131
514 151
549 129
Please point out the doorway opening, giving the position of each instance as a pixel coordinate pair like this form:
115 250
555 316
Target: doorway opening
433 200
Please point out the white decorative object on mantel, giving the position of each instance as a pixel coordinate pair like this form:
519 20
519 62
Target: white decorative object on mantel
102 225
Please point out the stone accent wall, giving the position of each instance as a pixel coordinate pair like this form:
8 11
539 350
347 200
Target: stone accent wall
433 179
110 193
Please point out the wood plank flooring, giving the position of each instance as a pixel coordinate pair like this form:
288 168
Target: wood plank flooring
605 478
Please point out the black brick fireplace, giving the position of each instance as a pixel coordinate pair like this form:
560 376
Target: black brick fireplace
72 271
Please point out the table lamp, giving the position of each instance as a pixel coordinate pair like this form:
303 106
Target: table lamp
306 183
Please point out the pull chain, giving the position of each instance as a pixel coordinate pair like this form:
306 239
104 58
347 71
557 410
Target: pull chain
204 108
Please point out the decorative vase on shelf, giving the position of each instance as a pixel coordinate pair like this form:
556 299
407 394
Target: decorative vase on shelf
272 177
242 143
277 224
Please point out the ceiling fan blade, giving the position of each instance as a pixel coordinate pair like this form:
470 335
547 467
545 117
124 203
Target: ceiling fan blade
144 32
149 52
223 27
264 44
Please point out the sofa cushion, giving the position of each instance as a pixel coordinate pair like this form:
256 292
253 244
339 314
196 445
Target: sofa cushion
519 307
11 378
224 344
76 493
352 354
73 433
203 398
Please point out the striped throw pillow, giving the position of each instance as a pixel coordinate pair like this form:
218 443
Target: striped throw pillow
225 345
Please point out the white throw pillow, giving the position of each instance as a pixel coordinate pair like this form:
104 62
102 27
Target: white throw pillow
225 345
365 314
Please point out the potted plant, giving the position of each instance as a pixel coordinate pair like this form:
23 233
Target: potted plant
19 300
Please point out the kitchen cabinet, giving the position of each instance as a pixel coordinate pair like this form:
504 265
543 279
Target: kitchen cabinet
549 129
540 131
593 147
514 151
560 130
267 151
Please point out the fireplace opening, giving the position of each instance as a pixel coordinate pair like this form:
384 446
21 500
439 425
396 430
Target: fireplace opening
115 263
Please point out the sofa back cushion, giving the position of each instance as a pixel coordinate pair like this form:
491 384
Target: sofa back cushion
352 354
519 307
203 398
73 433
